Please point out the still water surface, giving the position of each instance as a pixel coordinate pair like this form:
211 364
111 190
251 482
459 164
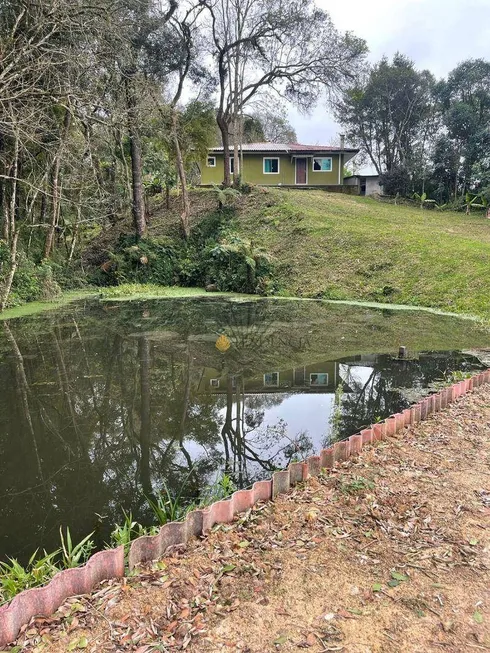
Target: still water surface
100 403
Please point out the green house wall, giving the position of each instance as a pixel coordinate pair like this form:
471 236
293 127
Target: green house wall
289 379
253 171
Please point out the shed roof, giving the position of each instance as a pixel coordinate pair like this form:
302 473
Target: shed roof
363 177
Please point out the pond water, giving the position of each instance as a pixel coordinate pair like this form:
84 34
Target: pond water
102 403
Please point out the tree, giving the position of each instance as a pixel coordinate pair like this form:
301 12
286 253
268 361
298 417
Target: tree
271 126
44 49
180 61
139 31
252 130
464 100
277 129
390 114
274 45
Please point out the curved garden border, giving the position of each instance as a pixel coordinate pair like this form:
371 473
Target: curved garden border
110 564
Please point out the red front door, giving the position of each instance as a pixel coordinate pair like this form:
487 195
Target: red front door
301 171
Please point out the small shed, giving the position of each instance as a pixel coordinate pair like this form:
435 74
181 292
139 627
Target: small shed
367 184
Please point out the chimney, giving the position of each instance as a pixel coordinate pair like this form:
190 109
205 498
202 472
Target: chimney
342 141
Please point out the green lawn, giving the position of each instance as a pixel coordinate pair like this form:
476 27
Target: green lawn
352 248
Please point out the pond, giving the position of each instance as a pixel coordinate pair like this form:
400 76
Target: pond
102 403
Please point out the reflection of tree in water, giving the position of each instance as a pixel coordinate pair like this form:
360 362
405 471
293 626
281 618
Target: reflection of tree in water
93 419
100 406
261 401
253 449
369 399
380 390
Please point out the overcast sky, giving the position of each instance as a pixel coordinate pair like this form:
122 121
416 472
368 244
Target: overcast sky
436 34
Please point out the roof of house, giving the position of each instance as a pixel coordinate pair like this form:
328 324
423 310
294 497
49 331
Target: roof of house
287 148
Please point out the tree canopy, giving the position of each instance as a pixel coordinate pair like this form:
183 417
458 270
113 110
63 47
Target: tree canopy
421 134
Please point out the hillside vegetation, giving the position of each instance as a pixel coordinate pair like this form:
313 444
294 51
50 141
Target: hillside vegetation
334 246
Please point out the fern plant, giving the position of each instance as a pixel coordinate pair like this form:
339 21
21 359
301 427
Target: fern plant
225 196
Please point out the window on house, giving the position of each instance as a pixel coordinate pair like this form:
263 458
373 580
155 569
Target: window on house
211 163
271 166
319 378
322 164
214 383
232 165
271 379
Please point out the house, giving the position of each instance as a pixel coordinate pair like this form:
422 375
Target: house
276 164
366 184
320 377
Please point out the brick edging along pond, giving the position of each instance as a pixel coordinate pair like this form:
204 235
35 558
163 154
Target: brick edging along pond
110 564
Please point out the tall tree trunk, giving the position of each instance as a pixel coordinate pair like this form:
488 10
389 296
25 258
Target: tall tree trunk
13 230
3 198
5 212
56 204
74 236
186 207
23 391
7 287
225 137
236 155
139 217
236 128
145 414
14 172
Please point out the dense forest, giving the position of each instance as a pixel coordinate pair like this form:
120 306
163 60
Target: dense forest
421 134
105 106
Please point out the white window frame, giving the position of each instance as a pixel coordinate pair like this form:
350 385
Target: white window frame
271 158
321 158
214 383
209 165
271 385
319 385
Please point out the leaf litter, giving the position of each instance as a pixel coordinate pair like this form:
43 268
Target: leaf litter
399 562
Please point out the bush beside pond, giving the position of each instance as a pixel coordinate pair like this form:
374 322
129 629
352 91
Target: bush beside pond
215 255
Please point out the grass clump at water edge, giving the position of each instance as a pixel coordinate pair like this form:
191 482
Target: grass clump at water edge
166 507
15 578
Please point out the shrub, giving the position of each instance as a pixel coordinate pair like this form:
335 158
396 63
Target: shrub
236 264
70 276
33 282
151 260
215 254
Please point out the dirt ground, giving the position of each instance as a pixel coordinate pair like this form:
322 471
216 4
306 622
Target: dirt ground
390 552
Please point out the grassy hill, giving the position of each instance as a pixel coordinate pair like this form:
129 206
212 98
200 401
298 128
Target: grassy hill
342 247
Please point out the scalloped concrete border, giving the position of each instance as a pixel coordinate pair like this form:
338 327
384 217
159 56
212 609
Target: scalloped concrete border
110 564
46 600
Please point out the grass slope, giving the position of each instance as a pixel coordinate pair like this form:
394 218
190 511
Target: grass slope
333 246
352 248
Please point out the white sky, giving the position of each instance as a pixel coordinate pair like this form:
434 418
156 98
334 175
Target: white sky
436 34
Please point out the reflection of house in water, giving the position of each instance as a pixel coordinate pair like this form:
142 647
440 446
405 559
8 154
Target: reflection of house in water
317 377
